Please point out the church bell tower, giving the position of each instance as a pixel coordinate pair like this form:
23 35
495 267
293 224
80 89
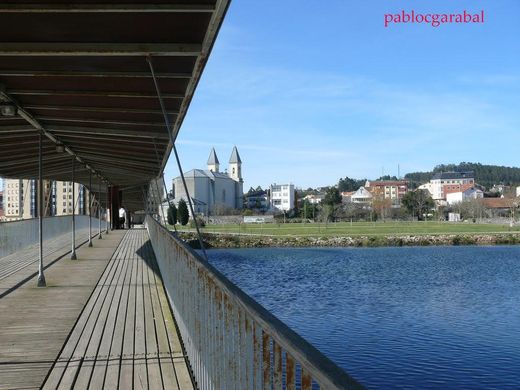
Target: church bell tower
235 166
213 163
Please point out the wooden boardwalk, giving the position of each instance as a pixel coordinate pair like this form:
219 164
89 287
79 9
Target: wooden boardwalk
122 334
19 266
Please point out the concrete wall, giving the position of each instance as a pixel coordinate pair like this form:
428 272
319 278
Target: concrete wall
20 234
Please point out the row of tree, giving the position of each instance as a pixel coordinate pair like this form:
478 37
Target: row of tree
416 204
179 214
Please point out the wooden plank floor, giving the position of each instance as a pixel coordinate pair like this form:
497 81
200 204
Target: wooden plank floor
35 322
125 337
22 264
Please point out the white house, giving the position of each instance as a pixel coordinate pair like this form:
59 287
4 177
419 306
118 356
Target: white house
518 191
314 199
457 197
361 196
282 196
210 189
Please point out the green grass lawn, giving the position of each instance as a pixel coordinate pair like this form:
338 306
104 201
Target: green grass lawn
356 228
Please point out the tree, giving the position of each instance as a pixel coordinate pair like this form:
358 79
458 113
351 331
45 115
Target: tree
382 206
418 202
332 197
331 204
182 212
348 184
172 215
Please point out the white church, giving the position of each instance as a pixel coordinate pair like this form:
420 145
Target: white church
211 190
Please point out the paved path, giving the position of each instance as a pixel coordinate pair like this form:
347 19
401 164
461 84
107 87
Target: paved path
102 322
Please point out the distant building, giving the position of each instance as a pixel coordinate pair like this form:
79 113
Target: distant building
443 183
314 199
501 206
388 189
258 200
518 191
282 196
461 196
210 190
362 196
21 198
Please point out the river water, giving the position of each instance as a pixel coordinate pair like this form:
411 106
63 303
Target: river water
396 318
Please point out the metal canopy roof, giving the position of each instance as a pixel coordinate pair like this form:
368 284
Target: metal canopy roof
78 72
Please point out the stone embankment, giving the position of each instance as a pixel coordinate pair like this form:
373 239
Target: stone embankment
256 241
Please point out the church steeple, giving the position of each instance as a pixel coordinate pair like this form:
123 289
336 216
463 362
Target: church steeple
235 165
213 163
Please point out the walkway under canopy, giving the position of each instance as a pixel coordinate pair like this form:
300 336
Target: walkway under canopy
79 73
103 322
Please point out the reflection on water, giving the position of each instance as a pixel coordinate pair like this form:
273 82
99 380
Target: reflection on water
435 317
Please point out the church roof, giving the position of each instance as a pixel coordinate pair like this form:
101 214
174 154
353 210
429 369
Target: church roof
205 173
235 157
213 159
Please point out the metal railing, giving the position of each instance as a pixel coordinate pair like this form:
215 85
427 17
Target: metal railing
17 235
231 341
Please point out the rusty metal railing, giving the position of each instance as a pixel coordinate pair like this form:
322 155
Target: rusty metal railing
231 341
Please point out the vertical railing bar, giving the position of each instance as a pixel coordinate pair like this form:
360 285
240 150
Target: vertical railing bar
306 380
277 372
205 322
218 338
228 339
248 334
266 361
257 358
290 377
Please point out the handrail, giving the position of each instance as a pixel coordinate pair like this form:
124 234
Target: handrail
16 235
46 217
231 340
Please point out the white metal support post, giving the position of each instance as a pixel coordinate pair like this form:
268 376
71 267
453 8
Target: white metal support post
90 209
73 252
41 276
109 205
99 208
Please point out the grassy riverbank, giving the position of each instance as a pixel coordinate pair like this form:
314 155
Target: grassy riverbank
355 229
356 234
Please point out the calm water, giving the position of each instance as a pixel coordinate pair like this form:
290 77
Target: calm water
421 318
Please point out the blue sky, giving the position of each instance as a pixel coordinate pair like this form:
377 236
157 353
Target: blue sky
311 91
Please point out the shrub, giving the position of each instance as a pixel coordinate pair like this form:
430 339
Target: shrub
172 215
182 212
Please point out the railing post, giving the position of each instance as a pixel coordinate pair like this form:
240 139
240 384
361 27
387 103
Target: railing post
90 208
109 203
167 198
99 208
41 276
73 252
160 202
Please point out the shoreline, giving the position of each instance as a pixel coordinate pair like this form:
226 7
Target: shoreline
223 241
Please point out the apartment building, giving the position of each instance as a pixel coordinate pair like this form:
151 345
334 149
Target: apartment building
282 196
20 200
388 189
444 183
